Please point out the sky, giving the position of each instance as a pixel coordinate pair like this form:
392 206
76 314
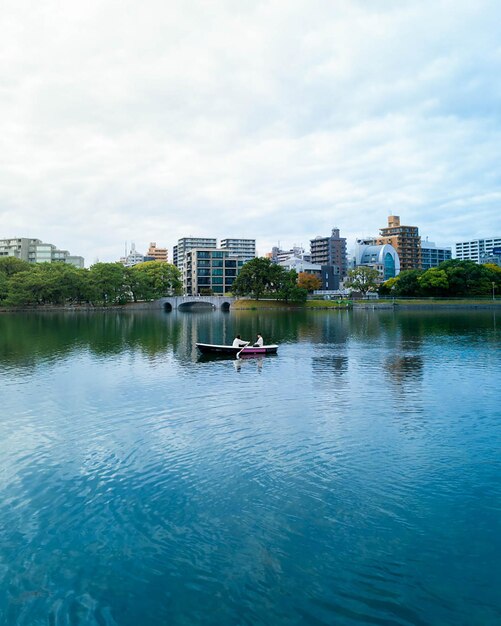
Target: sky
277 120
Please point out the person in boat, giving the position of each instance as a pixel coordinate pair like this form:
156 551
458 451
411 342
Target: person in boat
238 343
259 341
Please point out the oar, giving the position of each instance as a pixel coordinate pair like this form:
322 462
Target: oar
238 353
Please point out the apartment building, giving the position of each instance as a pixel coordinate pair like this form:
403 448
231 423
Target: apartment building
243 248
36 251
185 244
330 251
405 240
476 248
157 254
209 270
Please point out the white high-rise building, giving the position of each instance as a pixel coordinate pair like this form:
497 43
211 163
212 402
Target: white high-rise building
133 258
244 249
190 243
476 248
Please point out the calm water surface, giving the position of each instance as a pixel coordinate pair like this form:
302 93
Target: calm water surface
355 478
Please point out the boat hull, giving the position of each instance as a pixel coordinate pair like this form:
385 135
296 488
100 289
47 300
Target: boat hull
209 348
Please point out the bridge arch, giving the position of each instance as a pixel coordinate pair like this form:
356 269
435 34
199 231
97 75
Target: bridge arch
196 305
190 303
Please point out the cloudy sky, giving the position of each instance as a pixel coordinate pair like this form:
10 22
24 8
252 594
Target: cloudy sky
147 121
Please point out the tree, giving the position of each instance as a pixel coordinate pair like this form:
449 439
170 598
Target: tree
289 290
388 287
407 283
158 279
434 282
26 288
256 277
108 284
363 279
307 281
10 265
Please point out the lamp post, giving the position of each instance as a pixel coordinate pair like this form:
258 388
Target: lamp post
493 287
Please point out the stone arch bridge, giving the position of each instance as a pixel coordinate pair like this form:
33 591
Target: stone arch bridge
189 303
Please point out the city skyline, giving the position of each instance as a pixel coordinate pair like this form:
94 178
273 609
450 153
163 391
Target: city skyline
270 121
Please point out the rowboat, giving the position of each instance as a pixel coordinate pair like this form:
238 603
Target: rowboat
211 348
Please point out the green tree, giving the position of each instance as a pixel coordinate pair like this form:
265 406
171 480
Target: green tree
363 279
158 278
467 278
108 284
434 282
256 277
10 265
407 283
288 289
388 287
26 288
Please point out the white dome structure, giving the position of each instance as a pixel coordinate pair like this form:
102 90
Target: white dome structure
384 258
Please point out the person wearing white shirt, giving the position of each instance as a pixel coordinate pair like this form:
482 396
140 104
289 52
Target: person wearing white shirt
259 342
238 343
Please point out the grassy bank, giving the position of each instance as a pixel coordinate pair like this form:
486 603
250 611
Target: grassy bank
401 303
429 302
280 304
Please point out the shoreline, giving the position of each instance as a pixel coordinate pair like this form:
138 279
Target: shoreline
262 305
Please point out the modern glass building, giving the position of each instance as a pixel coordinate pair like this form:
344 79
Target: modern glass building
209 271
432 256
384 258
35 251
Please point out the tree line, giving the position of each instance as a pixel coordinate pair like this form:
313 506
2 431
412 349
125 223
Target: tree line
261 278
453 278
104 284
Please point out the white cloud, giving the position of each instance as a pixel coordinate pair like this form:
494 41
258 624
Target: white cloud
275 120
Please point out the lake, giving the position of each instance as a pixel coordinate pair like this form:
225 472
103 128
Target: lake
353 478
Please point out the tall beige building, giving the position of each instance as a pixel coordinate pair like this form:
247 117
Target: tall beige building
159 254
405 240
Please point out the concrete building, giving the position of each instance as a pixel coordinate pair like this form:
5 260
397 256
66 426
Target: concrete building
384 258
157 254
209 270
476 248
36 251
244 249
328 274
330 251
277 255
493 257
133 258
405 240
190 243
432 256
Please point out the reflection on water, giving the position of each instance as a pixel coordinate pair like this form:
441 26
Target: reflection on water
26 339
353 478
